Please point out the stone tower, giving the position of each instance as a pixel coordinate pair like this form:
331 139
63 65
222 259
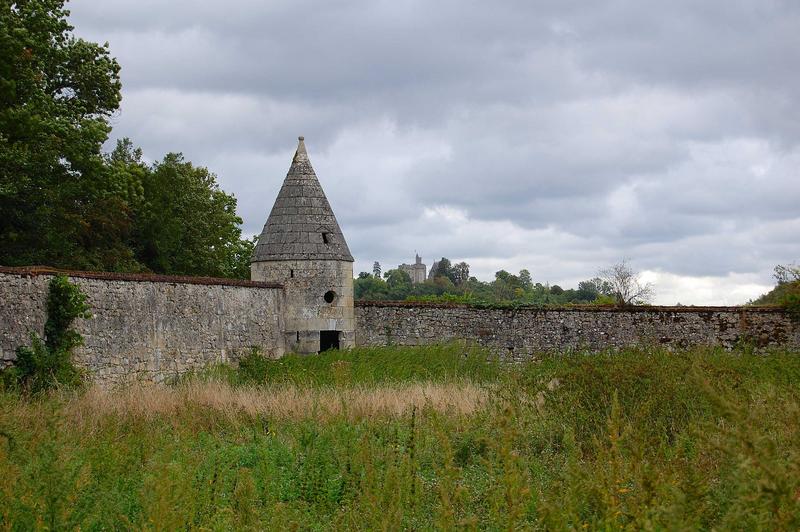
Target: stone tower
417 271
302 247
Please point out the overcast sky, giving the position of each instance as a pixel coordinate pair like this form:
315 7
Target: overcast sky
558 136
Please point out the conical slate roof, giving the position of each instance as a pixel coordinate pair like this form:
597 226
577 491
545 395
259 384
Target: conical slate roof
302 225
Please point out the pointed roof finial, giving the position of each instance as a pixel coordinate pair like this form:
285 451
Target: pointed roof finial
301 153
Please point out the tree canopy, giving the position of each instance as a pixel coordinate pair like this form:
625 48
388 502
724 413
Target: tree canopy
451 283
63 202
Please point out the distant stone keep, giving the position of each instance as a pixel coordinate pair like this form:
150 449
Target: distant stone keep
417 271
303 248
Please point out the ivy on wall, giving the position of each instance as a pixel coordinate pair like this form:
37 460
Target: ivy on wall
47 363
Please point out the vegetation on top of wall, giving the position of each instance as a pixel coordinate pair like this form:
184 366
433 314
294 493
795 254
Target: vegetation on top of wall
47 363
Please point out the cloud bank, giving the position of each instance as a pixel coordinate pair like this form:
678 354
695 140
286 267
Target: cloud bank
554 136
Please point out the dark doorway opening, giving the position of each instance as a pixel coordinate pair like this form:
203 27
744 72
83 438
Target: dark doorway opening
328 340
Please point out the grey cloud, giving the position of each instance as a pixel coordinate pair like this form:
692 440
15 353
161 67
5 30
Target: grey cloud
568 134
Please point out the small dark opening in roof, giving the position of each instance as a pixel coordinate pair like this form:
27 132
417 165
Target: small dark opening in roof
291 274
325 237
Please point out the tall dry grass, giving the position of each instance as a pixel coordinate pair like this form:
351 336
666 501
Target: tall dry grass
284 401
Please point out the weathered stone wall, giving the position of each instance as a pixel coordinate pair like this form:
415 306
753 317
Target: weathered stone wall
148 327
152 327
518 334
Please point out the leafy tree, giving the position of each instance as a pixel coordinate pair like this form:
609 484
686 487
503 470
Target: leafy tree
376 270
56 94
187 225
502 275
182 223
504 287
592 289
443 284
460 273
370 288
443 268
432 287
525 280
399 284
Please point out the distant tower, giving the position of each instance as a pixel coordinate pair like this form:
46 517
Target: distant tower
302 247
416 271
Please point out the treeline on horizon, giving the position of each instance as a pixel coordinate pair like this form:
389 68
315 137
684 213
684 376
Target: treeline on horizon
65 203
451 283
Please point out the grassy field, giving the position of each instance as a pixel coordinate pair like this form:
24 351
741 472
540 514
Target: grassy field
422 438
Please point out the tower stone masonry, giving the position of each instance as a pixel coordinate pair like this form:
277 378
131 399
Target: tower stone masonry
303 248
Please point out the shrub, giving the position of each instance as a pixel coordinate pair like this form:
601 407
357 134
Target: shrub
253 367
48 363
792 303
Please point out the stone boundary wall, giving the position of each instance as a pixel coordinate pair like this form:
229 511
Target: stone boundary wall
153 327
147 327
521 333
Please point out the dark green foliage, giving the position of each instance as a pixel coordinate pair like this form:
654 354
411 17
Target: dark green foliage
48 363
63 202
786 293
187 225
65 303
370 288
253 367
442 268
56 94
399 284
792 304
782 294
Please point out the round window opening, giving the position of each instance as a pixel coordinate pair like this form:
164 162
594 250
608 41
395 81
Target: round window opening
329 296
